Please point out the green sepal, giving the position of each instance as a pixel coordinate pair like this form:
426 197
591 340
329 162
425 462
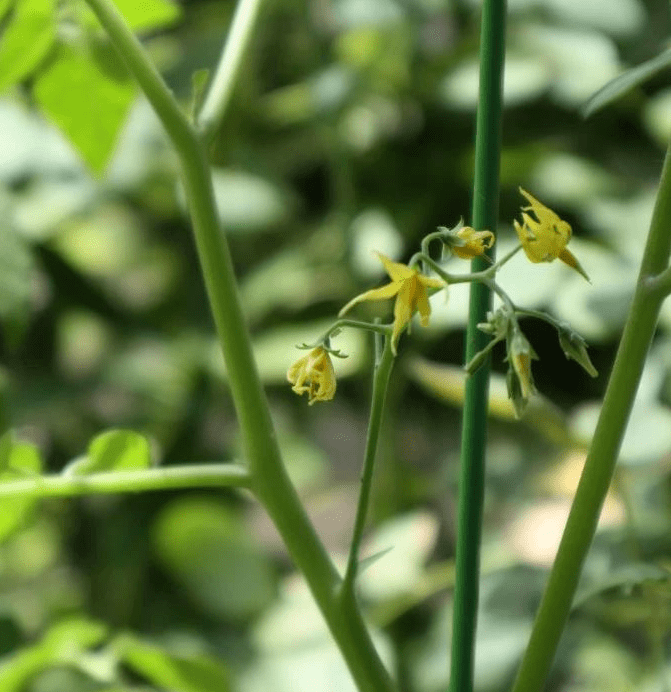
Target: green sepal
575 348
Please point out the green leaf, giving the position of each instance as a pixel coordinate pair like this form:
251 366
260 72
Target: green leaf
246 202
184 673
26 40
5 6
140 16
113 450
88 97
210 551
16 266
149 14
17 460
623 578
64 643
626 81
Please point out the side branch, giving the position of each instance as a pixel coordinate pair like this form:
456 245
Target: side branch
219 94
661 284
109 482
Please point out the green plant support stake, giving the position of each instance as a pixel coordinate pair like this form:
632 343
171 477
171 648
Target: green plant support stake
474 427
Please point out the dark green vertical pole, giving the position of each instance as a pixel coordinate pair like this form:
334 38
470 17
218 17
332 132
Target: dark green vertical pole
474 427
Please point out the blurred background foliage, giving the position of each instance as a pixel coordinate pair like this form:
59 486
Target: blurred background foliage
351 129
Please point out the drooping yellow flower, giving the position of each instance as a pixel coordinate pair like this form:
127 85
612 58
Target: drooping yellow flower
521 353
544 238
314 374
519 378
410 289
476 242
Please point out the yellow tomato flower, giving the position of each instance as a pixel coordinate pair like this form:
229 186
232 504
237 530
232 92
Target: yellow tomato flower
476 242
410 289
314 374
544 238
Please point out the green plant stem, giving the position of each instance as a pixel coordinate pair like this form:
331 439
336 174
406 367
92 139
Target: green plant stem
661 283
142 480
474 422
234 50
380 384
383 329
600 464
269 480
483 277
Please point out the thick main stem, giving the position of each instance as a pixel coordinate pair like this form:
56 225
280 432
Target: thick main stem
600 464
269 479
474 424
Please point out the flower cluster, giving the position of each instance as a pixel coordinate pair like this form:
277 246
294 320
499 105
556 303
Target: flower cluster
543 236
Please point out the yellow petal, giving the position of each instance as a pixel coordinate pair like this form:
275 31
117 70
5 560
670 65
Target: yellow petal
403 309
476 242
314 374
396 270
382 293
545 237
297 372
567 257
323 379
430 281
423 305
543 213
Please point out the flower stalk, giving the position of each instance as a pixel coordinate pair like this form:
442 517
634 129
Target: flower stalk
383 368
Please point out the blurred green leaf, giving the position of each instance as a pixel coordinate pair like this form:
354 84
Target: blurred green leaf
297 283
619 17
149 14
140 16
626 81
247 202
297 652
5 6
525 79
88 97
647 440
113 450
657 117
63 644
623 578
410 539
578 60
183 673
16 268
17 460
210 551
20 458
26 40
